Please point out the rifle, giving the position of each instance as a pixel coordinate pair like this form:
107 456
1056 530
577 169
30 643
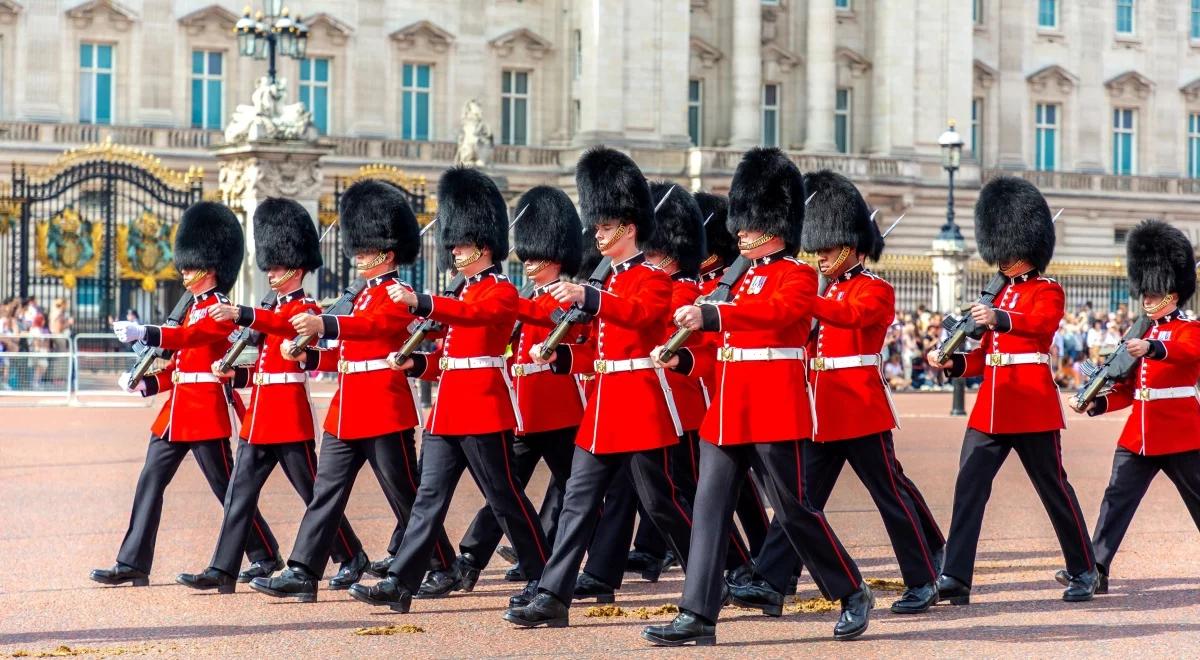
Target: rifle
962 327
428 325
1115 367
243 337
722 293
147 355
340 307
574 314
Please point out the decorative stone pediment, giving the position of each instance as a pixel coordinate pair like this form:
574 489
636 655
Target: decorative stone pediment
536 45
853 60
9 10
782 58
1130 85
83 15
985 76
328 29
213 18
707 53
435 37
1191 91
1053 78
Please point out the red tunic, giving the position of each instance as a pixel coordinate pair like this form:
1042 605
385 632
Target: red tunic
548 401
368 404
192 411
762 401
1162 426
853 317
626 411
479 324
278 412
691 396
1017 398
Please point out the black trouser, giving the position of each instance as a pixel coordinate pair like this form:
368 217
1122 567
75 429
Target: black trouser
162 460
609 549
489 458
1131 477
782 464
254 464
556 448
910 526
1041 455
591 476
393 459
685 463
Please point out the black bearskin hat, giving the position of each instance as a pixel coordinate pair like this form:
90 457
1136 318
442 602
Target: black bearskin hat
549 229
678 228
836 215
471 211
1161 260
375 215
611 186
285 236
1012 222
767 195
715 210
210 238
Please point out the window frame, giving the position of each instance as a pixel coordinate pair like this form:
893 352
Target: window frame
417 91
1055 15
312 85
775 109
205 77
508 101
1193 145
846 115
94 70
1132 132
696 105
1040 125
1132 6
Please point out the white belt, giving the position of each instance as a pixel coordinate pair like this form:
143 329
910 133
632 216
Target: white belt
731 354
529 369
278 379
193 377
1156 393
1007 359
844 362
356 366
452 363
615 366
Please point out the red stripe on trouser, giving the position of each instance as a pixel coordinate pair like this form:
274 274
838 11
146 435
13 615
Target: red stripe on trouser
820 517
310 453
891 466
919 500
408 472
1087 551
229 478
504 439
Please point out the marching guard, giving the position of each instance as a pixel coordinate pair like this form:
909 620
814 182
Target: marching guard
1162 432
278 427
1018 406
761 412
472 421
196 416
373 414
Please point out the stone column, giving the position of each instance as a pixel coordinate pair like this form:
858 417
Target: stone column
821 72
747 75
250 173
949 264
602 82
1013 89
1094 114
892 78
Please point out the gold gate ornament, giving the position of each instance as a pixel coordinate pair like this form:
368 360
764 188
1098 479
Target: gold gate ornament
144 251
66 246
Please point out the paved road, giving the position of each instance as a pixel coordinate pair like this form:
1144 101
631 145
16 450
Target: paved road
67 477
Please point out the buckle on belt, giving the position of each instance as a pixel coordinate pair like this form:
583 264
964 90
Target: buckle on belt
443 363
818 364
259 378
1143 393
995 359
176 378
600 366
343 367
518 370
725 354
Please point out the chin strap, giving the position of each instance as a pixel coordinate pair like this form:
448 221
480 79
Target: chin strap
379 258
612 239
196 277
758 242
1158 306
462 263
283 279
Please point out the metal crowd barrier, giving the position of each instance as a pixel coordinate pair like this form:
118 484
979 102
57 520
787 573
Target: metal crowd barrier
99 359
35 369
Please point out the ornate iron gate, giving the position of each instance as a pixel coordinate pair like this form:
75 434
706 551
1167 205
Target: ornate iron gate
96 228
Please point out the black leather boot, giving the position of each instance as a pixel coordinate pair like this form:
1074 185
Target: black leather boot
350 572
385 593
954 590
120 574
292 583
525 596
507 553
917 599
543 610
1081 588
856 614
379 567
260 569
210 579
760 595
686 628
468 572
589 586
438 584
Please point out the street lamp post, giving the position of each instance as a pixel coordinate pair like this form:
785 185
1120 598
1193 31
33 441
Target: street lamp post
953 248
271 33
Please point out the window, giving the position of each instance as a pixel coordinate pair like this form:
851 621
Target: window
1125 24
206 89
314 90
416 93
1048 14
770 115
514 107
977 128
841 121
1120 235
1195 32
771 2
95 84
576 116
577 65
1046 137
977 12
1124 141
840 4
696 111
1193 145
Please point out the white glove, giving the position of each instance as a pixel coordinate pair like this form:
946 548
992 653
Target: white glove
128 331
123 383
